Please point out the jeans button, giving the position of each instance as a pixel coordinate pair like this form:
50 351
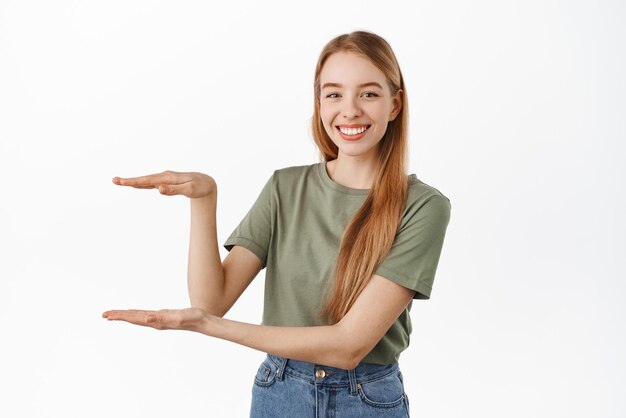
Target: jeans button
320 374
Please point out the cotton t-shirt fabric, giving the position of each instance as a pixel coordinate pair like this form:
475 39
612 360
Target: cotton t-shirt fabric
295 228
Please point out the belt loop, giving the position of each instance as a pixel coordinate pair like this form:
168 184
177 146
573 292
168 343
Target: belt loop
281 368
352 378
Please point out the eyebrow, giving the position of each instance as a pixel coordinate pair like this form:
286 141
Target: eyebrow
370 83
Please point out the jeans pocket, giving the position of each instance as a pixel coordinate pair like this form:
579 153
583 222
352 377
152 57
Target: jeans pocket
266 374
386 392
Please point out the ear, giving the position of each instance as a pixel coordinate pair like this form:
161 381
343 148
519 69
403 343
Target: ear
397 105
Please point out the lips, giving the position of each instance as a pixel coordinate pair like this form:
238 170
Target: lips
352 132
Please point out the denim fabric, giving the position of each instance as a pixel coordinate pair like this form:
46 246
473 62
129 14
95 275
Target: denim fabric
292 388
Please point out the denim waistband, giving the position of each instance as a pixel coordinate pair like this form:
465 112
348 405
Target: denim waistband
332 376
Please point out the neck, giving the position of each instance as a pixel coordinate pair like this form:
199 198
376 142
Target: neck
354 172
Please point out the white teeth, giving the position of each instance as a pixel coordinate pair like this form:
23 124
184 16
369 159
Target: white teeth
353 131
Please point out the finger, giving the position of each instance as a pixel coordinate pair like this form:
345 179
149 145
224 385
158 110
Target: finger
149 181
138 317
118 181
136 187
144 182
114 312
174 189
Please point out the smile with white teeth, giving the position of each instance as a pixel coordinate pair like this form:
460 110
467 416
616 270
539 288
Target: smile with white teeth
353 131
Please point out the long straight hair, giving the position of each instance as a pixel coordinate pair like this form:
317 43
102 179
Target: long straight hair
371 232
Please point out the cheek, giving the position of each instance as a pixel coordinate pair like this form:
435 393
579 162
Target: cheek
324 112
327 117
378 112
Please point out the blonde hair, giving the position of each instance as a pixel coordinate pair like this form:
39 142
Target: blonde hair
371 232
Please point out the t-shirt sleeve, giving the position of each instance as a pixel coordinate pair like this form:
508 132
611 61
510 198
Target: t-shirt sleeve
254 231
414 255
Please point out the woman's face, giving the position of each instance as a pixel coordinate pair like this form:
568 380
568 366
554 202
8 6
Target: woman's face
355 104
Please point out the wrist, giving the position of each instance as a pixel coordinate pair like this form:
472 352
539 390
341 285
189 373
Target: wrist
207 324
203 187
207 200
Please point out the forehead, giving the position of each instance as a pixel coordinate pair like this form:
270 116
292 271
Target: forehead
348 68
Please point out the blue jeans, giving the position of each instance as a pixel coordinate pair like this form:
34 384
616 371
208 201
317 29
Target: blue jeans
292 388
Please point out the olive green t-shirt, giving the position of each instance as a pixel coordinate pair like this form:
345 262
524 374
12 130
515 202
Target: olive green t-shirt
295 228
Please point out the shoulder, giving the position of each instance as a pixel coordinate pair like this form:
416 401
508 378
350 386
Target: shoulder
295 171
420 191
425 201
294 175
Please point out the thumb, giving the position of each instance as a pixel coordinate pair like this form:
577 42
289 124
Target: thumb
170 189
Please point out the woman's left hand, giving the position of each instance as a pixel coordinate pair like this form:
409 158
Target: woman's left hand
189 319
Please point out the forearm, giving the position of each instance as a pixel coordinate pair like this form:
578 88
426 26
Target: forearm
342 345
327 345
205 275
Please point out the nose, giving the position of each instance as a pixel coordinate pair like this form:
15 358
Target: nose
351 108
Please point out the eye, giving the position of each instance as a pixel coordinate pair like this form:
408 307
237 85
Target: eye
369 92
332 95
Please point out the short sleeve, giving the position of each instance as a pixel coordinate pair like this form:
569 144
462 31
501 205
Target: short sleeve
414 255
254 231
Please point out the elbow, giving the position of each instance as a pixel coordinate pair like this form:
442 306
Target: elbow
345 362
351 351
351 358
349 363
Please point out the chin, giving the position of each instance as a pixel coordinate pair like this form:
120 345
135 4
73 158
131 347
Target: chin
356 153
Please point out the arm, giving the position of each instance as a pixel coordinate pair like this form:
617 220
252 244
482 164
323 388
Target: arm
341 345
205 275
213 286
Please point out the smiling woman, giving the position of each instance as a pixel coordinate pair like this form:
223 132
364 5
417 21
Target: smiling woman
356 105
348 244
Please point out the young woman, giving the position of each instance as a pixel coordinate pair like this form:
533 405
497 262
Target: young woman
347 244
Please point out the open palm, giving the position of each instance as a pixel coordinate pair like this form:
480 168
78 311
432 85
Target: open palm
189 319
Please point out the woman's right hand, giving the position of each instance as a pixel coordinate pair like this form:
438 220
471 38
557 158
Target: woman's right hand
170 183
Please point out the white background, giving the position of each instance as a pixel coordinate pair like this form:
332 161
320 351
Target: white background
517 114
